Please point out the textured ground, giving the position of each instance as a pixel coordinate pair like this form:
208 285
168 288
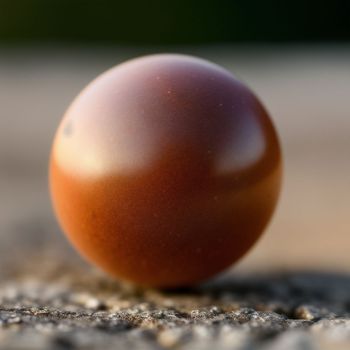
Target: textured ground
86 311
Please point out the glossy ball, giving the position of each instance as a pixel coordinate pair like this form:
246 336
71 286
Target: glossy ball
165 170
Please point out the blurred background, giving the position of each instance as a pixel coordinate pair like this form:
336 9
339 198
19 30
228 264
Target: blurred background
294 54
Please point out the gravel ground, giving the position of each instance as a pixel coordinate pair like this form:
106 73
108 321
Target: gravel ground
84 310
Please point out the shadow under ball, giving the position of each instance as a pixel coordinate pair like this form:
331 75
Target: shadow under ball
165 170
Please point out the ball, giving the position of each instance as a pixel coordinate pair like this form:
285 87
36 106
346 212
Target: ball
165 170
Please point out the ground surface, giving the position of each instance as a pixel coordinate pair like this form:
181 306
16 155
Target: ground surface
81 309
50 299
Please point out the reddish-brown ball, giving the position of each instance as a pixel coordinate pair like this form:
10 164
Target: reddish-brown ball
165 170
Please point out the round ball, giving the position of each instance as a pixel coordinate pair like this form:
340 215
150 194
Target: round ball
165 170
